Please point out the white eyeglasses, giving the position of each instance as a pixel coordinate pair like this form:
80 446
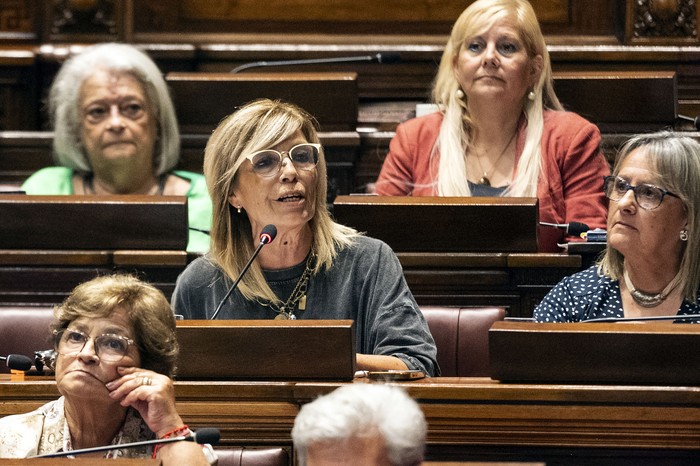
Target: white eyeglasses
268 162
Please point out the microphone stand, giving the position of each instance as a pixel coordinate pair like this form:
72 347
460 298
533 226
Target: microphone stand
240 275
189 438
379 58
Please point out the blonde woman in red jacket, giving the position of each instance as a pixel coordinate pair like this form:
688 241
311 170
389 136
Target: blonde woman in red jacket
500 129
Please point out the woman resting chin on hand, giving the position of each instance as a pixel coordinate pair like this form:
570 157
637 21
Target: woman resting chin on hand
116 350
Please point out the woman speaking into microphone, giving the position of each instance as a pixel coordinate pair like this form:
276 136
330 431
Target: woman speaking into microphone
263 166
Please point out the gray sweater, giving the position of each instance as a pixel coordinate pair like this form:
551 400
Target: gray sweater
365 284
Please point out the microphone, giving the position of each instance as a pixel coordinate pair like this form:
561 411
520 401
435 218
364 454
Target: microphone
378 58
571 228
208 435
18 362
206 232
267 235
695 121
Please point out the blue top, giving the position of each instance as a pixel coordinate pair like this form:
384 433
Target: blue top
587 295
482 190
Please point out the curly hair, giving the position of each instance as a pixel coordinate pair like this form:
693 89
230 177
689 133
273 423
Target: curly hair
148 309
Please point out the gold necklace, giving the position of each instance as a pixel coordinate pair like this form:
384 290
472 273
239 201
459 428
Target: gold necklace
484 180
286 310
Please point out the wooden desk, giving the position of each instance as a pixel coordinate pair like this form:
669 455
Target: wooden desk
468 419
516 281
46 277
24 152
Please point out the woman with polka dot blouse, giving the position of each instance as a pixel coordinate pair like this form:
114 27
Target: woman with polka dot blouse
651 266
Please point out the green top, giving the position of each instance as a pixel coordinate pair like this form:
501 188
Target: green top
58 180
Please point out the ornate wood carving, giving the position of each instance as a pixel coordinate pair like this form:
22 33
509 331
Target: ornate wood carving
16 16
665 19
78 16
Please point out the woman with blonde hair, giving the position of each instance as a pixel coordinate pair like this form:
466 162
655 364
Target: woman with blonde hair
500 129
264 166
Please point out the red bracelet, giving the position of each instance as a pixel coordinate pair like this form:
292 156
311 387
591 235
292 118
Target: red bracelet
184 430
179 430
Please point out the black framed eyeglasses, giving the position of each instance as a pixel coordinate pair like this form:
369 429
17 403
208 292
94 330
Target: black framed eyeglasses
108 347
648 196
268 162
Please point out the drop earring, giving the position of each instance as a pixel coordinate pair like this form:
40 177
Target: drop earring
531 96
238 209
459 94
684 235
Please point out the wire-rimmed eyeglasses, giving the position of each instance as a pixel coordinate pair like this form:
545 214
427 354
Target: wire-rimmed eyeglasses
108 347
648 196
268 162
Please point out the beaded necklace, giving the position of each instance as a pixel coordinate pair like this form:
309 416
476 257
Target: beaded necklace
648 299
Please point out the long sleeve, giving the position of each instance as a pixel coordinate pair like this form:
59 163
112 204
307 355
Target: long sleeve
409 168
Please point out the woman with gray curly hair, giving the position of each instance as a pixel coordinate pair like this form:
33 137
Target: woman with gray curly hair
116 350
115 132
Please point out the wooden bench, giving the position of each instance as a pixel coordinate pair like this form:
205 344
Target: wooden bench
620 101
52 243
24 152
203 99
138 222
461 335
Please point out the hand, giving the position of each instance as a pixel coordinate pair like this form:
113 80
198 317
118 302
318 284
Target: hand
151 394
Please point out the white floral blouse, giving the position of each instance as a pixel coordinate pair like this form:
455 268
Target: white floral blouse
45 430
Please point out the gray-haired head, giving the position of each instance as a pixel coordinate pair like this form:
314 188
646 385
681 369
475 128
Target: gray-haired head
64 103
359 410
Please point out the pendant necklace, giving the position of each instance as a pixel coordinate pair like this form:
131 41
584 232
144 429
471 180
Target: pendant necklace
648 299
286 310
484 180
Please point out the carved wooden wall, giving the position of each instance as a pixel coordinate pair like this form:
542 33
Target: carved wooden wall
186 21
662 22
217 35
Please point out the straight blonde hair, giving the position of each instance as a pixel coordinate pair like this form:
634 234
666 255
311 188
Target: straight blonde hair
258 125
456 131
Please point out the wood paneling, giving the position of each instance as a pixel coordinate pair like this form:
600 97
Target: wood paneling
18 19
347 17
468 418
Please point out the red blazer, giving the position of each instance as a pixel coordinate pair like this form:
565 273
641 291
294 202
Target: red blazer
570 187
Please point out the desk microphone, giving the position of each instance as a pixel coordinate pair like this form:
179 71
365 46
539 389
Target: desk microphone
571 228
207 435
695 121
267 235
377 58
18 362
206 232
